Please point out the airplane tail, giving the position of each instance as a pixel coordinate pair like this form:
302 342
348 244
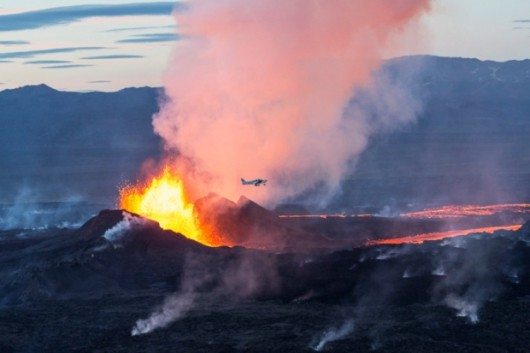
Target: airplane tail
243 181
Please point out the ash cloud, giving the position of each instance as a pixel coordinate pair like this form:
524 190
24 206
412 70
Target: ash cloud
262 89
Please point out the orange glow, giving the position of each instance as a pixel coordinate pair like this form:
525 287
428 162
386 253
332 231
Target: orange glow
164 200
420 238
468 210
324 216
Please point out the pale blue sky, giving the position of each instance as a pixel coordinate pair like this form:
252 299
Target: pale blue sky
128 42
485 29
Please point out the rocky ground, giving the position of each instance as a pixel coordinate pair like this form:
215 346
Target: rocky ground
104 325
89 289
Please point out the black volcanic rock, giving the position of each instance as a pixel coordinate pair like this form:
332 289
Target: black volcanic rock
84 289
118 252
113 252
136 232
104 221
525 230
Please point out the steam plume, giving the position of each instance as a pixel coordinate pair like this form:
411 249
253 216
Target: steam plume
177 305
259 89
174 308
334 334
206 280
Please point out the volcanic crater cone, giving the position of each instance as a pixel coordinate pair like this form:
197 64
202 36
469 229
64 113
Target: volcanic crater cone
250 225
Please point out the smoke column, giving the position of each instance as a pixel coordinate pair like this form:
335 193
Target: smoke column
258 89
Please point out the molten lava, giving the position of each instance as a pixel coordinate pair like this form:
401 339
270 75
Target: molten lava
326 216
164 200
420 238
468 210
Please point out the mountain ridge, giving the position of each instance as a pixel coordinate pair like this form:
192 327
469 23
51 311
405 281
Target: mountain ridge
468 137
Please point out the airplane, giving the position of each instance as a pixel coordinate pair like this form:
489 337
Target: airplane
255 182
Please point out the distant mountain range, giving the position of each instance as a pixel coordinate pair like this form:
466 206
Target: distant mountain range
58 145
470 143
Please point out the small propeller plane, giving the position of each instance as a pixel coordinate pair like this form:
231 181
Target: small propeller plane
255 182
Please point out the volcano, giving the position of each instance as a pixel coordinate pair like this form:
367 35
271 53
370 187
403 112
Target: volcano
247 224
96 283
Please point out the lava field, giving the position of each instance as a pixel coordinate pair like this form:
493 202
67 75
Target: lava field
120 283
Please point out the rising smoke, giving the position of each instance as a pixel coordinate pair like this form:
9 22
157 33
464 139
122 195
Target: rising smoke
334 334
209 279
24 213
469 280
115 234
261 89
197 273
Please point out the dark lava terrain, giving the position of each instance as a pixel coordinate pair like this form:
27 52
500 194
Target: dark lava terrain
89 289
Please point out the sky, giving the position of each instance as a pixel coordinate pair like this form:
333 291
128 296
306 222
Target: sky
107 45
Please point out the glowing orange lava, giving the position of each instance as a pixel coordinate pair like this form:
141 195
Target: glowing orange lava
420 238
163 199
468 210
325 216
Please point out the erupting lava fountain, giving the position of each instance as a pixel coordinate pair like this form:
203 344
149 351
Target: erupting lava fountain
164 199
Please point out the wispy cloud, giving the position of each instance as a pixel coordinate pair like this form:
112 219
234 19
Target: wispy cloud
13 42
99 81
46 62
151 38
5 61
109 57
521 21
33 53
65 66
130 29
63 15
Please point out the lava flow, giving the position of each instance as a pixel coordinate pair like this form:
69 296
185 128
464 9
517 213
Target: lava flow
455 211
326 216
420 238
164 200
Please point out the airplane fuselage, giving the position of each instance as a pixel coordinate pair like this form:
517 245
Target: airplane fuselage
255 182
